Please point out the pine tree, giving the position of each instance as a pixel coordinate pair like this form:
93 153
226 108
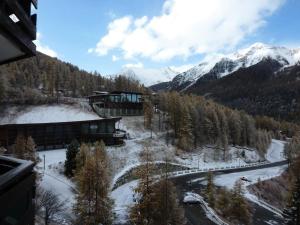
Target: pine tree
185 137
18 149
235 128
165 207
148 115
223 202
292 211
30 151
239 209
157 200
70 163
210 189
93 206
25 148
141 211
81 156
291 150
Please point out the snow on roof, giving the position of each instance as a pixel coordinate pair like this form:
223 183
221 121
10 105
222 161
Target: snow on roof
47 114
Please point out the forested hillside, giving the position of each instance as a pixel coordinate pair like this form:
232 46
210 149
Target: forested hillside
257 90
42 79
196 122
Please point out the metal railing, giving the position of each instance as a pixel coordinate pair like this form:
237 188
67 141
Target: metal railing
223 168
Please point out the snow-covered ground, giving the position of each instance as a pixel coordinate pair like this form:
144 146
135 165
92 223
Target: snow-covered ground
228 180
53 178
124 199
127 157
275 152
47 114
205 157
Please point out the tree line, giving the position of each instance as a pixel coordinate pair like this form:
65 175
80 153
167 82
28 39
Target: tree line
195 121
42 79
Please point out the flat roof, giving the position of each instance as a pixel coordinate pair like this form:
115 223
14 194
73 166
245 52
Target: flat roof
112 93
126 92
47 114
62 123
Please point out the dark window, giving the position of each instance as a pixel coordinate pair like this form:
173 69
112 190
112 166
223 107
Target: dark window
85 128
94 128
110 127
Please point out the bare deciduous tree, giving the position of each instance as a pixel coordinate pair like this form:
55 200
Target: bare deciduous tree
50 205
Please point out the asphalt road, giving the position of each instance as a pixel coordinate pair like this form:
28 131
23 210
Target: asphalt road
195 214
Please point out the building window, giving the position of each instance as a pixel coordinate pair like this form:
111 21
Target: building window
94 128
110 127
85 128
134 98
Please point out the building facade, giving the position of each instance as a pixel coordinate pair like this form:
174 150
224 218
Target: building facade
59 135
117 103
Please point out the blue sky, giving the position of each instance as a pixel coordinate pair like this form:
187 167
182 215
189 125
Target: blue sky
157 33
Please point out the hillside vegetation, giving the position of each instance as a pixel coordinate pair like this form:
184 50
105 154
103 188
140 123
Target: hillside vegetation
43 79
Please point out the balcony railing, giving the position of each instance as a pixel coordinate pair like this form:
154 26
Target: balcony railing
18 27
17 191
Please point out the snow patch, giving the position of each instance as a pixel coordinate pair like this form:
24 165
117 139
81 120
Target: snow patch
48 114
228 180
123 197
241 59
53 178
275 152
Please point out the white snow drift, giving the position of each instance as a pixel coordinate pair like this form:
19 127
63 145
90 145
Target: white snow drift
47 114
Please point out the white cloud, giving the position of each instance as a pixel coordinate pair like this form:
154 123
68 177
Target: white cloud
133 65
141 21
115 58
44 48
187 27
182 68
117 32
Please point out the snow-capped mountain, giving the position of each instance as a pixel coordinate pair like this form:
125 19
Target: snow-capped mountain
218 66
151 76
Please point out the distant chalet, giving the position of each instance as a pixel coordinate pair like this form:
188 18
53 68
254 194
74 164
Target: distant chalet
57 134
117 103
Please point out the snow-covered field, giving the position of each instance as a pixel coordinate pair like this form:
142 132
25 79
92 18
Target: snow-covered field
47 114
53 178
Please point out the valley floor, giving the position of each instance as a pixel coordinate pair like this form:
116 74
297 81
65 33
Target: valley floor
126 157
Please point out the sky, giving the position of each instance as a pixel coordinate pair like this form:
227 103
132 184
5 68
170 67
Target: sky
109 36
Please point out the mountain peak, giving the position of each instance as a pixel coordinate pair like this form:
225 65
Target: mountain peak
222 65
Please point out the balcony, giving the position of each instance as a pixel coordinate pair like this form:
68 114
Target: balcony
17 29
17 182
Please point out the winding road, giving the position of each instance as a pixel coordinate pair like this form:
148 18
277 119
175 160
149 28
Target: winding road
196 215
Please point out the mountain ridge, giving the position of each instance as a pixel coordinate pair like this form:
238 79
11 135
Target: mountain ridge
219 66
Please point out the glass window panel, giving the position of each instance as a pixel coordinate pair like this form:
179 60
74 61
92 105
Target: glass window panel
94 128
110 127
